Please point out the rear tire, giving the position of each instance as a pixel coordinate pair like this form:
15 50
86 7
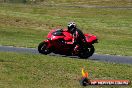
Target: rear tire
43 49
87 52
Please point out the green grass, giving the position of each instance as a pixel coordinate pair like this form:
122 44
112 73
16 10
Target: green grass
40 71
21 37
95 2
78 2
112 26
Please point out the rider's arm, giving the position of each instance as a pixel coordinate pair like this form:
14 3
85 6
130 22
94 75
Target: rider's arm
81 35
71 42
73 39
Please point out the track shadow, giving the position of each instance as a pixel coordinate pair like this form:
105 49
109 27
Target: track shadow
60 55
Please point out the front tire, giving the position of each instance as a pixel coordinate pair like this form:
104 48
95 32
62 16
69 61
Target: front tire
87 52
43 49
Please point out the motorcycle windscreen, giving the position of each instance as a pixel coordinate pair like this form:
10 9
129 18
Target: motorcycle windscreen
58 32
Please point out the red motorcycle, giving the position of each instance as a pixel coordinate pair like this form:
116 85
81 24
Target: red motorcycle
56 43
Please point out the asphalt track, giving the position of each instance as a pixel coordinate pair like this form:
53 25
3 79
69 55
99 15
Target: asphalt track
106 7
96 57
91 6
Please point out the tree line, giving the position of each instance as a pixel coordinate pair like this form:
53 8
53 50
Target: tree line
20 1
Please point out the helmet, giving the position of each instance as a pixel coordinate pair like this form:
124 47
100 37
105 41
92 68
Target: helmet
71 26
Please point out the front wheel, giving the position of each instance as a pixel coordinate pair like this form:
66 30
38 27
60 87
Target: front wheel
43 49
87 52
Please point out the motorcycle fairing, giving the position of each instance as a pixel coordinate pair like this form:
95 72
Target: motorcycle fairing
90 38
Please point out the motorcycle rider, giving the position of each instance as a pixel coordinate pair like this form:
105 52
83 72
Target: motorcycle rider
78 36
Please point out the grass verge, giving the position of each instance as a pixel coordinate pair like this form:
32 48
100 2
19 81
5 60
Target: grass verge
28 71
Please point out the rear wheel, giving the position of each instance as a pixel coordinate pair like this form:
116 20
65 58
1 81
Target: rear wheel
43 49
85 53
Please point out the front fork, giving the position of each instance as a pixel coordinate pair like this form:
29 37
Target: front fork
48 43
